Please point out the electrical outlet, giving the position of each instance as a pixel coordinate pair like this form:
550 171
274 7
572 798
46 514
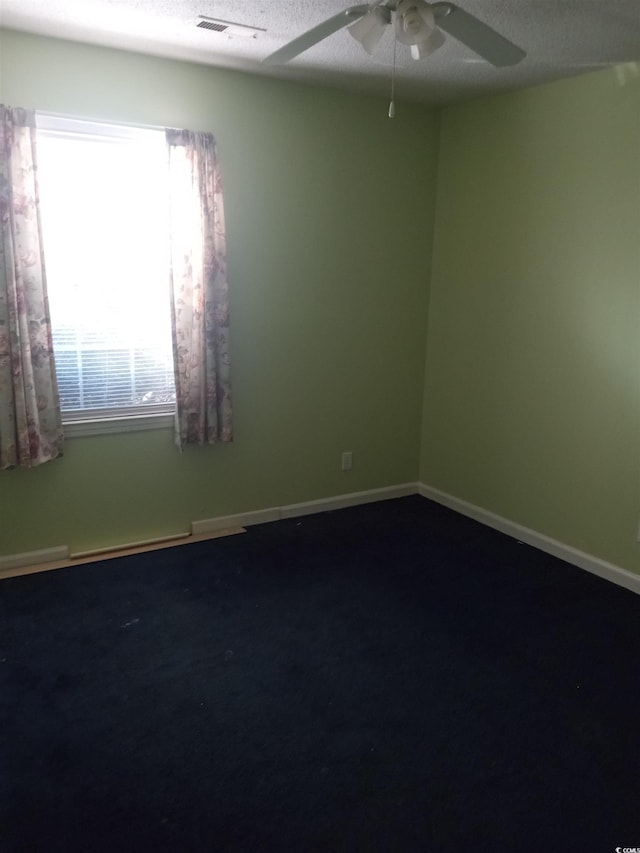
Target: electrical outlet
347 460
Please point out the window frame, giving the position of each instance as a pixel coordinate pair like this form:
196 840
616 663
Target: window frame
84 426
87 422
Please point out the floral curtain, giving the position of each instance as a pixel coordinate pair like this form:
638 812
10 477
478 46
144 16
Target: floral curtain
30 420
199 290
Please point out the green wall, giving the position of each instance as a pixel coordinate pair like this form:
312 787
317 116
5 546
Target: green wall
329 209
532 405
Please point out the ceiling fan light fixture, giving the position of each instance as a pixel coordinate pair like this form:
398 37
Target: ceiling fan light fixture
427 47
415 25
415 22
370 28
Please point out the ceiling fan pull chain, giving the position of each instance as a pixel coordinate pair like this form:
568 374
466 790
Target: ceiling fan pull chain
392 104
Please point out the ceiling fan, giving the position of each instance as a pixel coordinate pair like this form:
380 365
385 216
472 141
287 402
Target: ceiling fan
419 24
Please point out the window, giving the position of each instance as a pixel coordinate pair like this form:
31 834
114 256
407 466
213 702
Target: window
104 205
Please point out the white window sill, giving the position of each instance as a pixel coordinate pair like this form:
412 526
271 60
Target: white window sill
79 427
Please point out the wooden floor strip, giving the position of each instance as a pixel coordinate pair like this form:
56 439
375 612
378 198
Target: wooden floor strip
85 557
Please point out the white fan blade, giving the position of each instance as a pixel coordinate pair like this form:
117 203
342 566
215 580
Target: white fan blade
483 40
317 34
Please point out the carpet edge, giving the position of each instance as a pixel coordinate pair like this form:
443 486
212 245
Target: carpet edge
595 565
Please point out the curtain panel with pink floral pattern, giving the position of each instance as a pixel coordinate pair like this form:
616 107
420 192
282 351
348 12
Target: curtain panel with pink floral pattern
30 419
199 288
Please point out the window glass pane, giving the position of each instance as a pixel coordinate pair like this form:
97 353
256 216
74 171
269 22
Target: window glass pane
105 232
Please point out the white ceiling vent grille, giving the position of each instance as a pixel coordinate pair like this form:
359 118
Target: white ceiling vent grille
229 28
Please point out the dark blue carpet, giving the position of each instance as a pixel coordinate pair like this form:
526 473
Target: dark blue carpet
392 677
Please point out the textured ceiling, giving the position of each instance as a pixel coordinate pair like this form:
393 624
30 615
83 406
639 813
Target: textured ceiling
561 38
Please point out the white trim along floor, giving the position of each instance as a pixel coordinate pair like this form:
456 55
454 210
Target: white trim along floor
211 528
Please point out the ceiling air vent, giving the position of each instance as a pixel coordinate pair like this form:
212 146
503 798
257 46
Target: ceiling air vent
213 25
229 28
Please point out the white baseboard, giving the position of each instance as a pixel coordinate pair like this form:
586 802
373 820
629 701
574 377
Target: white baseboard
352 499
260 516
585 561
34 558
242 519
581 559
206 526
